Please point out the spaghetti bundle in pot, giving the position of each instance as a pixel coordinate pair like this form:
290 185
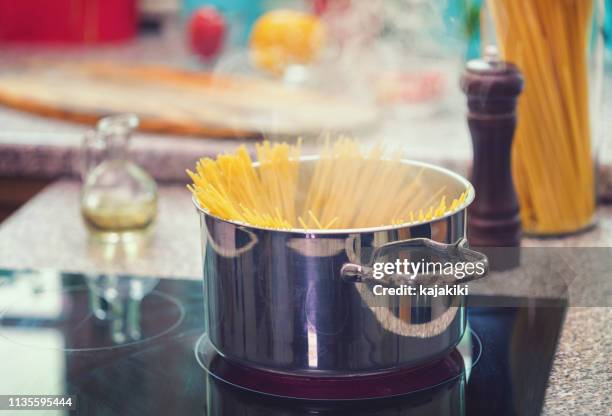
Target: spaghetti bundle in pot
345 187
552 160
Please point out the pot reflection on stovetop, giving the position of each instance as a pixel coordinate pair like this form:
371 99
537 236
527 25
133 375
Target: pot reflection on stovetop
445 400
399 382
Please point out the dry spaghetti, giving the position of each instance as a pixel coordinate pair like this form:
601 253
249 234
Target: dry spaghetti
344 188
552 161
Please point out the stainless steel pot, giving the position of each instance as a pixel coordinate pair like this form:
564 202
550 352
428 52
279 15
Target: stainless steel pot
301 302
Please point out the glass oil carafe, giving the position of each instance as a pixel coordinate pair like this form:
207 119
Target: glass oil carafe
118 198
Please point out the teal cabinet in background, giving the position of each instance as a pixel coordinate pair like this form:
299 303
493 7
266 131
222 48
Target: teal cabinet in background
463 18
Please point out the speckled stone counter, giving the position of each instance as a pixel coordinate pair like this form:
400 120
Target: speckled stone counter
48 233
38 147
34 146
581 379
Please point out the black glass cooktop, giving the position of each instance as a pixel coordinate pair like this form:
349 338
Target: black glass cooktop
125 346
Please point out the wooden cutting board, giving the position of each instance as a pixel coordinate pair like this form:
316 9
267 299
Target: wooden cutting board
177 101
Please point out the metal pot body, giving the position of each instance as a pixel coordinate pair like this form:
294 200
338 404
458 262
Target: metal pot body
277 300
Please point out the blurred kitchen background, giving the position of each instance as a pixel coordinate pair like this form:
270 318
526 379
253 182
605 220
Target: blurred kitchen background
198 75
202 80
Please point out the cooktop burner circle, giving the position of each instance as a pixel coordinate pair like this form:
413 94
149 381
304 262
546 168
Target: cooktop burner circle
458 363
80 320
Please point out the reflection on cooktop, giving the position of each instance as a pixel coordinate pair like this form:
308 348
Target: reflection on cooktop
445 370
126 347
89 322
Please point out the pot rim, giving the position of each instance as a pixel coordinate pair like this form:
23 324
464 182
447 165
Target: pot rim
336 231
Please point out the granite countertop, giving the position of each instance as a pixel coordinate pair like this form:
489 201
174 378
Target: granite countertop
38 147
48 233
34 146
580 382
55 214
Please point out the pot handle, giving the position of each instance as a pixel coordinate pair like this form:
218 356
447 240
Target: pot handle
447 253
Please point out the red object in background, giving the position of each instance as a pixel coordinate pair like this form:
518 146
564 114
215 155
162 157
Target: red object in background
206 31
67 21
319 7
410 86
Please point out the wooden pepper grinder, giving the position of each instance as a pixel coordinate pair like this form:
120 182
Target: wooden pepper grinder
492 87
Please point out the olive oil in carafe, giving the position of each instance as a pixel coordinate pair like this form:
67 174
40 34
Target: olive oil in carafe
108 215
118 198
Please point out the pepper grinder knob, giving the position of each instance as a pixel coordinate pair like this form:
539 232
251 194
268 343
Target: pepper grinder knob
492 87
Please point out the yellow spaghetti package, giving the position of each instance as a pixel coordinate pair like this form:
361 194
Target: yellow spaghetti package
552 159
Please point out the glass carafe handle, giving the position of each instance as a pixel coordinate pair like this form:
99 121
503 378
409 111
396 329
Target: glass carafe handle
92 147
108 141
